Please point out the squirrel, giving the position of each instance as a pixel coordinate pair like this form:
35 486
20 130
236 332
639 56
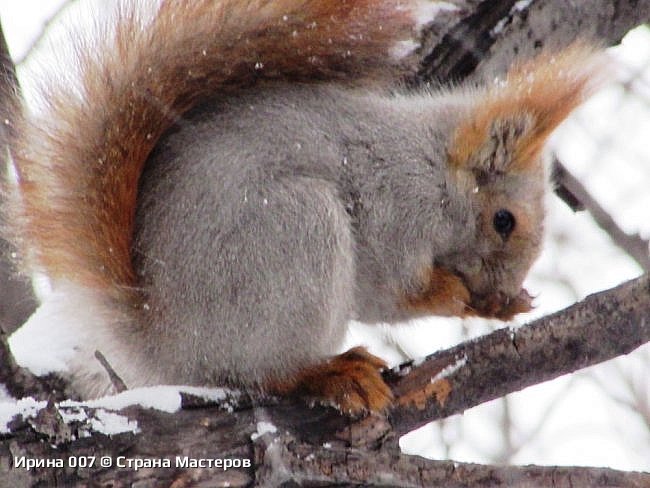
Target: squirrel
221 186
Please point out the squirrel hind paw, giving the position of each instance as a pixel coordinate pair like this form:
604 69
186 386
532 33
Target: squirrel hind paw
351 382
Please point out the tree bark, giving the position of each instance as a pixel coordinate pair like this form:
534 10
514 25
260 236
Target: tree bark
312 445
483 38
601 327
16 297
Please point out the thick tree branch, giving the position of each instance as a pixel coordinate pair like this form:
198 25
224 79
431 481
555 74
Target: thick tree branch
601 327
329 466
16 298
271 459
481 39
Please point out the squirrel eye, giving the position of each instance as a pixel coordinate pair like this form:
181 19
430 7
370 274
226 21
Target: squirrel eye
504 222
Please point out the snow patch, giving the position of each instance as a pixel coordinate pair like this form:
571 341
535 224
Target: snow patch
164 398
39 334
426 11
27 407
100 420
4 395
71 414
263 428
102 417
403 49
418 361
110 423
519 6
423 12
451 369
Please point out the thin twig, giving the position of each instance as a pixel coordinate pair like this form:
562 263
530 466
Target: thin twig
118 384
579 197
44 28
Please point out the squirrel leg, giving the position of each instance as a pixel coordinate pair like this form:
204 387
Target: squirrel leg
351 381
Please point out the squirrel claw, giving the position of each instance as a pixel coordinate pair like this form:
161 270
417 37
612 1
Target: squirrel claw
351 381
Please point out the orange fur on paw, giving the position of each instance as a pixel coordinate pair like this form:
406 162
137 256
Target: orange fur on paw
497 305
351 381
443 293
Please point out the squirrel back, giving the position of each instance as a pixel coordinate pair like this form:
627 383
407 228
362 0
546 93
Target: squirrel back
228 184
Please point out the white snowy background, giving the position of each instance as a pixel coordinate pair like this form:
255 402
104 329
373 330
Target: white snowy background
599 416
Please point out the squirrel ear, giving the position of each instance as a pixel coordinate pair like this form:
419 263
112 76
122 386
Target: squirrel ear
508 123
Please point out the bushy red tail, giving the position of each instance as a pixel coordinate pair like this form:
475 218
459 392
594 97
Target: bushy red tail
79 160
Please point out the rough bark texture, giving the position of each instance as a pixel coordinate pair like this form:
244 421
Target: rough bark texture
314 446
16 298
602 326
484 37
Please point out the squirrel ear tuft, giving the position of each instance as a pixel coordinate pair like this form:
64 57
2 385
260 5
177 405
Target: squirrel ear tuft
508 123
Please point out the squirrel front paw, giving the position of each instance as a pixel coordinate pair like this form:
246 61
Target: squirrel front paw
442 293
351 382
499 305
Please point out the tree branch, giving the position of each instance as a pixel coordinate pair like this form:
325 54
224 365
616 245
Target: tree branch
328 466
278 458
481 39
636 247
600 327
16 297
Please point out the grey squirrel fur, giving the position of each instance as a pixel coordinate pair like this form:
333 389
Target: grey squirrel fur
270 213
304 219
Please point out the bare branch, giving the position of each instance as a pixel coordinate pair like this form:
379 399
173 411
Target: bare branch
16 297
482 38
116 381
601 327
47 23
632 244
282 457
351 467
